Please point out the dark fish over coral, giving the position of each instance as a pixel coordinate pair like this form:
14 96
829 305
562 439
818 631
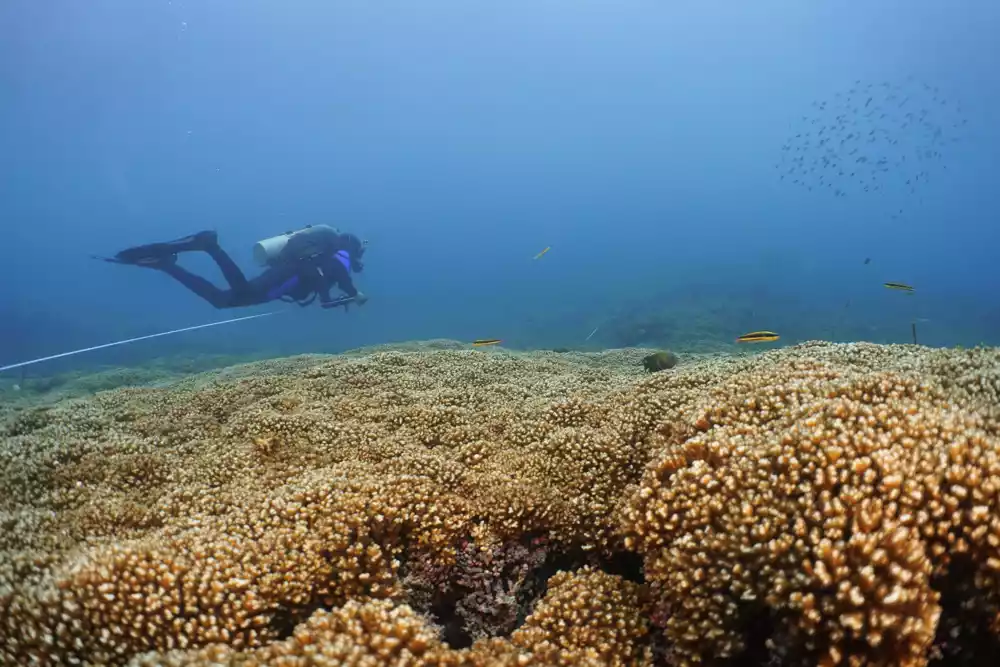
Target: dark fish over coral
659 361
758 337
483 342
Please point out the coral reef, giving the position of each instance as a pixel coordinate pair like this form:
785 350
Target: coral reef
822 504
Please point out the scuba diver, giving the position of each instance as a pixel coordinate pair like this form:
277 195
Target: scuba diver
299 266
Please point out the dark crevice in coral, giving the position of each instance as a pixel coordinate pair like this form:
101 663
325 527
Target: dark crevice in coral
557 561
284 620
626 564
758 626
484 593
452 631
963 633
764 645
490 593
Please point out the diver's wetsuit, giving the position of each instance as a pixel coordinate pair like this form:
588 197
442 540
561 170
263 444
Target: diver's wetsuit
297 281
294 277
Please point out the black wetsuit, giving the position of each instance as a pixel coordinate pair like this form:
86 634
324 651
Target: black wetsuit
298 281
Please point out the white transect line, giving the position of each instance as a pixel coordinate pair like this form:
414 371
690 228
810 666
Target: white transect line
132 340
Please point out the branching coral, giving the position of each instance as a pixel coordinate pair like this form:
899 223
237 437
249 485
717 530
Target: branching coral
235 580
818 504
593 614
826 500
587 619
359 633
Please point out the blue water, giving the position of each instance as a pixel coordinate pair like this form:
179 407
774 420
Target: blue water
638 139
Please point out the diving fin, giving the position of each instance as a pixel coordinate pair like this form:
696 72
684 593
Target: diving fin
153 254
150 261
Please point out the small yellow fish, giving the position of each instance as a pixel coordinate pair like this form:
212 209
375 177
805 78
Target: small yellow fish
539 255
483 342
899 286
758 337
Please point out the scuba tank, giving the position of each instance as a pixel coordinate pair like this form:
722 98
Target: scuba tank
295 245
266 250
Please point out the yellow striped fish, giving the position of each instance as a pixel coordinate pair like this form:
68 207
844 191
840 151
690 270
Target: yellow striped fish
899 286
758 337
545 250
483 342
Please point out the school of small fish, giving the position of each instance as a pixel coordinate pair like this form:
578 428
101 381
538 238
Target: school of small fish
875 138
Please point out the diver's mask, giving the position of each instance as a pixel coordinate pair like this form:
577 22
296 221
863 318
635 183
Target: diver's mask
357 251
358 265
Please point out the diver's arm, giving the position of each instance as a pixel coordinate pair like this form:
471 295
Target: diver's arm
324 291
334 273
347 285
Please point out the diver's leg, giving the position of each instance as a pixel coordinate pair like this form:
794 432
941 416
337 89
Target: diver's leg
242 292
219 298
237 281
